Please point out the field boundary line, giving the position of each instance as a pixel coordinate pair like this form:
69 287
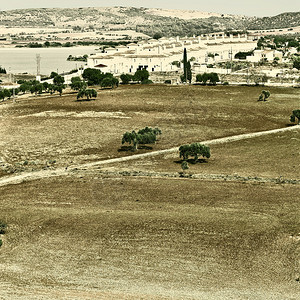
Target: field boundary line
29 176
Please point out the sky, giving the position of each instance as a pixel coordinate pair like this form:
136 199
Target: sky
257 8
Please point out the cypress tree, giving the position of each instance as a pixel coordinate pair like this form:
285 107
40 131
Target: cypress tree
189 72
184 65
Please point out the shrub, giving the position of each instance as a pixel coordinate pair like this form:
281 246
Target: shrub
146 81
184 165
264 96
2 227
295 115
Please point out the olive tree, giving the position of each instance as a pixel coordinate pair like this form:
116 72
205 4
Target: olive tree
144 136
195 150
77 84
88 93
295 115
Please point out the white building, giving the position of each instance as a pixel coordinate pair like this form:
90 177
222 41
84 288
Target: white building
158 55
267 55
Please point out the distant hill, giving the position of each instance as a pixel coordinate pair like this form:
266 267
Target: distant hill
146 20
284 20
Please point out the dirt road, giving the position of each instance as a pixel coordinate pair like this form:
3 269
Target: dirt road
28 176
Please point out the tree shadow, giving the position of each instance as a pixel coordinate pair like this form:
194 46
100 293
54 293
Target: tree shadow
290 124
130 148
125 148
85 100
145 147
192 161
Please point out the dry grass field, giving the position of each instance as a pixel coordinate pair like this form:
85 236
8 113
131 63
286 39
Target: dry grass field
98 234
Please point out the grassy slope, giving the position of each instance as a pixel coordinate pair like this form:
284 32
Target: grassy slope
184 114
91 236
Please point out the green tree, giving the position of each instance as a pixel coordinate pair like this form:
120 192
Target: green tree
109 81
25 87
36 89
195 150
184 166
77 84
88 93
93 76
189 72
264 95
58 80
185 70
2 95
144 136
296 62
214 78
51 88
7 93
45 86
141 75
157 35
295 115
126 78
58 88
53 74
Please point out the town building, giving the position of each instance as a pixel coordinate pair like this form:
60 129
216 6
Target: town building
265 55
166 54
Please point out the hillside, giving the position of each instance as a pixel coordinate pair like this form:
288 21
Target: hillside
167 22
149 21
285 20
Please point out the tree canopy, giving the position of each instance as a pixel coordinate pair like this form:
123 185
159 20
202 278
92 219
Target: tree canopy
212 78
95 77
77 84
144 136
264 96
141 75
195 150
295 115
88 93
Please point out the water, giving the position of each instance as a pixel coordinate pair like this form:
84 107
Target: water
22 60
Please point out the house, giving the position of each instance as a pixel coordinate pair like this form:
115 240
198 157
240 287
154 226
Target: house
265 55
160 55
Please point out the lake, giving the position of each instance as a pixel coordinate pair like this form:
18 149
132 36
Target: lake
21 60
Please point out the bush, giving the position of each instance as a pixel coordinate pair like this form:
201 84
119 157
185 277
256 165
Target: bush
1 242
2 227
184 165
264 96
2 70
168 81
146 81
295 115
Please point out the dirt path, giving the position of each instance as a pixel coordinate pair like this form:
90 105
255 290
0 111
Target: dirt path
16 179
